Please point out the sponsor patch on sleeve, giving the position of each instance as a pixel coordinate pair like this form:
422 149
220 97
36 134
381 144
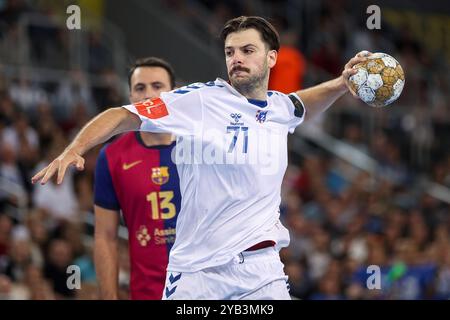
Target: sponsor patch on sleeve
152 108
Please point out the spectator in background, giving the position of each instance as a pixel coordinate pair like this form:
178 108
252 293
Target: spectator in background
100 57
59 257
7 110
299 279
11 177
73 91
35 221
40 288
22 138
9 290
12 10
287 75
47 128
27 94
5 233
22 253
9 39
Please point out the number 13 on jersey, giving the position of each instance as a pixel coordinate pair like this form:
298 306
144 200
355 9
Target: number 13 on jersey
162 207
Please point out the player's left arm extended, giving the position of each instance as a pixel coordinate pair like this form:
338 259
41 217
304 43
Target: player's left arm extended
319 98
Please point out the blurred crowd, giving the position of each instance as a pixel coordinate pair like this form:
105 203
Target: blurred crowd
341 219
341 226
43 229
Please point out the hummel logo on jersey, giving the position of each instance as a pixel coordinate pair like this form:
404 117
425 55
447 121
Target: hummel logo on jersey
261 116
236 116
127 166
171 286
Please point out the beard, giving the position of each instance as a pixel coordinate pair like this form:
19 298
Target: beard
251 83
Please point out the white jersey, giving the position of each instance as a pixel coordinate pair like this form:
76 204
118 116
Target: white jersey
231 157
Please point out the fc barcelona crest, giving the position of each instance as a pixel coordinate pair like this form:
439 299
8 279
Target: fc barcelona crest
160 175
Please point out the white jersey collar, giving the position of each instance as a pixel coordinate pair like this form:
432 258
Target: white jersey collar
229 87
237 93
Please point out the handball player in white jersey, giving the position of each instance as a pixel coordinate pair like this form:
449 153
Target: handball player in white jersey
231 156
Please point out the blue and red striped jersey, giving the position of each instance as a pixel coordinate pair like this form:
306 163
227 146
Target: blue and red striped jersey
142 182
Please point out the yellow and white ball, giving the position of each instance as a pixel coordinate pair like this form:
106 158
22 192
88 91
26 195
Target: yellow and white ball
379 80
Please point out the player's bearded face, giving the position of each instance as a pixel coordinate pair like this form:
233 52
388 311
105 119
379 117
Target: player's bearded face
247 60
245 79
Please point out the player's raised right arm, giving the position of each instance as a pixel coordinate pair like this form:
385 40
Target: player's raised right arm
107 124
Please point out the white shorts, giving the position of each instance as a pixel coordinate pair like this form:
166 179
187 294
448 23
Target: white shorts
252 275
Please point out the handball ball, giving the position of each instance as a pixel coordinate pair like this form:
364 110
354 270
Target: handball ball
379 81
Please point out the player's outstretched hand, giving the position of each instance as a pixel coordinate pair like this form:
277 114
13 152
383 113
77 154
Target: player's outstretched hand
349 70
59 165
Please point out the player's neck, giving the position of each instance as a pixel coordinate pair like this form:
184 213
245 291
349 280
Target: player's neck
257 94
156 139
256 90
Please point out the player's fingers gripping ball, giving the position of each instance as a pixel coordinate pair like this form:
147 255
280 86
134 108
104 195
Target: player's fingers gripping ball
363 53
379 80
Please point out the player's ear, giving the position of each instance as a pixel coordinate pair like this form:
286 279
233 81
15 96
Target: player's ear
272 58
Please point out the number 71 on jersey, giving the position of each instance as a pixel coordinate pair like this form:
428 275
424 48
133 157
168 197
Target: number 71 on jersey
237 130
